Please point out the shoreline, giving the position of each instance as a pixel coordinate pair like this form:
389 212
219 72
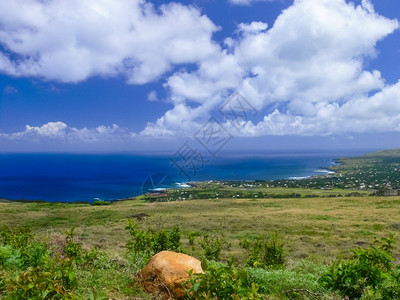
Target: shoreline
326 171
320 175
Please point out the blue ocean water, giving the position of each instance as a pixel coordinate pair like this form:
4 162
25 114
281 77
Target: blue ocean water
86 177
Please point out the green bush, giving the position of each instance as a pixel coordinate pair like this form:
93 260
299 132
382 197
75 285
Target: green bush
72 248
220 281
100 202
368 274
32 269
6 254
38 283
211 247
18 250
16 237
264 252
29 270
144 244
191 236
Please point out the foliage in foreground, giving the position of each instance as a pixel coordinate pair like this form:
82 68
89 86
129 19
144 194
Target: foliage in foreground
264 252
30 269
146 243
221 281
36 274
368 274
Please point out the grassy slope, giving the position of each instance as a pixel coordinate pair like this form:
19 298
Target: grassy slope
323 228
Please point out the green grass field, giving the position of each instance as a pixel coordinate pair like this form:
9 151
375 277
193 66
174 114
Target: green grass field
323 228
317 230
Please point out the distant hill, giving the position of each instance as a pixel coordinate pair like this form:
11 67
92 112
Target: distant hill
385 153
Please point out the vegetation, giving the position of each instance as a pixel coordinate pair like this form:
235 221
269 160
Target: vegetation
264 252
146 243
222 281
373 174
286 246
257 240
368 274
57 269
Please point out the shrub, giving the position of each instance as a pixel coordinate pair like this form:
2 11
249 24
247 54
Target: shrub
100 202
36 283
264 252
367 274
32 273
16 237
191 236
211 246
6 254
144 244
35 255
72 248
220 281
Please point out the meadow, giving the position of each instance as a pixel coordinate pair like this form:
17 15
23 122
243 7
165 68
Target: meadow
315 231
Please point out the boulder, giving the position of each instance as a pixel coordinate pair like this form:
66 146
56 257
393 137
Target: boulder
164 273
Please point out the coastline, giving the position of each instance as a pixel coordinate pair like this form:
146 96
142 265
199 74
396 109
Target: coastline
278 168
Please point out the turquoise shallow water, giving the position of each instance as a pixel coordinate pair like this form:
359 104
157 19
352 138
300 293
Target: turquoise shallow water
85 177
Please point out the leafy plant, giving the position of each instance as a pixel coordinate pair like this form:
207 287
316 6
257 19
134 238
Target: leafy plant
264 252
144 244
36 254
36 283
191 236
220 281
32 269
17 237
211 246
72 248
369 272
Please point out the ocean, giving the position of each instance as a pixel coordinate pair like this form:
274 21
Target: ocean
88 177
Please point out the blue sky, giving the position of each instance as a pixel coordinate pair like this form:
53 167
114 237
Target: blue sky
148 75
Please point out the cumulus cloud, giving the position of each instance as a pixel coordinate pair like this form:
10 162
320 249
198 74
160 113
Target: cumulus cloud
307 72
253 27
62 132
70 41
378 113
181 120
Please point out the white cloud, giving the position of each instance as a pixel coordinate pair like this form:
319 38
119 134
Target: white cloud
62 132
248 2
378 113
152 96
307 73
314 52
215 75
253 27
71 40
51 129
308 69
181 120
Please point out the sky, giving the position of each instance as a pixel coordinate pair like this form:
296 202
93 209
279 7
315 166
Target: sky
143 76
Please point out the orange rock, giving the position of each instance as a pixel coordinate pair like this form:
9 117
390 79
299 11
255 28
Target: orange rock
165 272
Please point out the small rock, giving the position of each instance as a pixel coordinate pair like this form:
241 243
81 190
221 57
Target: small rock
165 272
